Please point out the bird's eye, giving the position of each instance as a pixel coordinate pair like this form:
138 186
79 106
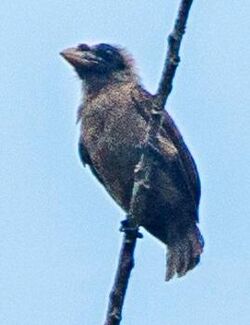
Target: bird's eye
109 52
105 50
110 55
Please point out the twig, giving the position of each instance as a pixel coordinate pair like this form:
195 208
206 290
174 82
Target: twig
117 295
173 59
144 170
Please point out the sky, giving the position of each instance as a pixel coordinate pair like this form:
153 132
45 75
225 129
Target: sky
59 238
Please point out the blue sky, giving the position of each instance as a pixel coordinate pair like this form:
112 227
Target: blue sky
59 237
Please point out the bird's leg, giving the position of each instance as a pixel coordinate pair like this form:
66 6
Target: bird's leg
129 227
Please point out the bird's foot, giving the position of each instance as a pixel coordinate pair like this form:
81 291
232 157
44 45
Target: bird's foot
129 229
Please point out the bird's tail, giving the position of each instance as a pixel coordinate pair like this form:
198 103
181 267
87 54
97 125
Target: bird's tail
184 252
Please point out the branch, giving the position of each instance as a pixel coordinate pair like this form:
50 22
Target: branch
144 170
117 295
173 59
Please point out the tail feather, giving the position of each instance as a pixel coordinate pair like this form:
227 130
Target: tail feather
184 253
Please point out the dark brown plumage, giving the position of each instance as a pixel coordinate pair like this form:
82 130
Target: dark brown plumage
114 116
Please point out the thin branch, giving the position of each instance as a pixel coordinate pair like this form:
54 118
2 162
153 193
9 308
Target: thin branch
173 59
144 171
117 295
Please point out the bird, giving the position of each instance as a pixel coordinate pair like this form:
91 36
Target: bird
114 115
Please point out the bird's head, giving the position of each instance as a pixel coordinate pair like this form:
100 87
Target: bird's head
98 60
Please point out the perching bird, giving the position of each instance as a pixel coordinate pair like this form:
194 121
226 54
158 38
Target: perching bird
114 117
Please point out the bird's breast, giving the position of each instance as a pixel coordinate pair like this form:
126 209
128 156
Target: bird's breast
112 135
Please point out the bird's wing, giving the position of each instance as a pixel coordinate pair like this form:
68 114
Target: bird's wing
83 152
186 161
86 160
183 166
